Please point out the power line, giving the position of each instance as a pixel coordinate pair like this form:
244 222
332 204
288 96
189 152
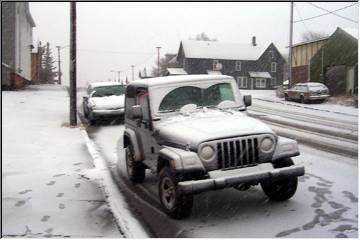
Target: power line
115 52
332 12
324 14
298 12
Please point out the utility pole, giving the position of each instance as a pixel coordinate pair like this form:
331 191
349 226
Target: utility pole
118 75
132 72
59 65
290 43
73 118
158 70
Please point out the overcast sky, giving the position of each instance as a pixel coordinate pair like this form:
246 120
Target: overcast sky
114 36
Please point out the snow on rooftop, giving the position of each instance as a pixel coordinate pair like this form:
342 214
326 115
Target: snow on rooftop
176 71
260 74
100 84
218 50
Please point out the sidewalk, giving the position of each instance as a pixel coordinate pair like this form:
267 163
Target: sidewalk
44 193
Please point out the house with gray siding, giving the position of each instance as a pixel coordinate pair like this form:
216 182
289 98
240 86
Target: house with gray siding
253 66
16 44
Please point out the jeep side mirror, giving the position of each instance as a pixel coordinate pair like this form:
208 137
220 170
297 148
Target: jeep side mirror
136 112
247 100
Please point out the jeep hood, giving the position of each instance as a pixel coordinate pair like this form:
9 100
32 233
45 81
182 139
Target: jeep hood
200 127
110 102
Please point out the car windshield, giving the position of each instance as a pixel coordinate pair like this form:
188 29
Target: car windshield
105 91
207 97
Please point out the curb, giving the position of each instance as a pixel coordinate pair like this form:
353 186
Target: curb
129 227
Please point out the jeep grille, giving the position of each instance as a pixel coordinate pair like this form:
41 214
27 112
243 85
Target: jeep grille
236 153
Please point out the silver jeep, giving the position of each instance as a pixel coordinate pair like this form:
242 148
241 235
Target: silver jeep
194 133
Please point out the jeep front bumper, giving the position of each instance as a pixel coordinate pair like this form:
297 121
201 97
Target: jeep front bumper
220 179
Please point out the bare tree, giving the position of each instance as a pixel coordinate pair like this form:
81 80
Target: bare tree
311 35
168 61
203 37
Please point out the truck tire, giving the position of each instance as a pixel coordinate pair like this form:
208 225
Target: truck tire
135 170
282 189
176 205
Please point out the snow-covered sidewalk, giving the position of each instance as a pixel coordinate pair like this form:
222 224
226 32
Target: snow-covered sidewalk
45 193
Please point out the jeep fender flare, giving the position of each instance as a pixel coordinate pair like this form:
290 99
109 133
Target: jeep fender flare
285 147
179 160
130 138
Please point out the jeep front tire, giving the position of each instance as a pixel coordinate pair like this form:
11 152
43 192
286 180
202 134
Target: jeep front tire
282 189
135 170
176 205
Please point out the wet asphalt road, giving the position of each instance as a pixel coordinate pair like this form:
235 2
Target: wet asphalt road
325 204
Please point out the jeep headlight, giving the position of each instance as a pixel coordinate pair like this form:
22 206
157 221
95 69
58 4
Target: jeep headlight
207 152
267 144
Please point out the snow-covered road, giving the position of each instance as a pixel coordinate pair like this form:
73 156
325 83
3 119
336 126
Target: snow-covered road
325 204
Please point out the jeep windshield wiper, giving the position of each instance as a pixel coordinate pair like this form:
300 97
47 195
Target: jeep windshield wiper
221 109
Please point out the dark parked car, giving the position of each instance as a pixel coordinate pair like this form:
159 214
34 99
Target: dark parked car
306 92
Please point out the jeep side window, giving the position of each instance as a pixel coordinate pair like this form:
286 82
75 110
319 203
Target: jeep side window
142 99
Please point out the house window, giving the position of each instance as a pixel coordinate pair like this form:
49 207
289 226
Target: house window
273 67
260 83
242 82
271 53
184 63
273 82
237 66
215 62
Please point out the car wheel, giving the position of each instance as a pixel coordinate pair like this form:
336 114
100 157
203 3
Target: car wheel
281 189
286 97
135 170
85 112
176 205
302 99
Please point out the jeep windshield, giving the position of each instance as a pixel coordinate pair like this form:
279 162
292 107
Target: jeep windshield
201 97
106 91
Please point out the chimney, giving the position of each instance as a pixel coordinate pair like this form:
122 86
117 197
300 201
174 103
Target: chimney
254 41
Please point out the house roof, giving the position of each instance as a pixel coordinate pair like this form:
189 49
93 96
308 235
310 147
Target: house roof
218 50
311 41
260 74
176 71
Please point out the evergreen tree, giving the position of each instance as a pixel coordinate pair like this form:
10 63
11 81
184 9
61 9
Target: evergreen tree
47 69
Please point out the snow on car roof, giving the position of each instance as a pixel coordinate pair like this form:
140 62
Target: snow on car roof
179 78
218 50
101 84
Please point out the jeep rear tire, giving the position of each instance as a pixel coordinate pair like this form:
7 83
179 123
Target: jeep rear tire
176 205
282 189
135 170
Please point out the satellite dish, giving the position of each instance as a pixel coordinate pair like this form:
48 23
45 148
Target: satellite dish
218 66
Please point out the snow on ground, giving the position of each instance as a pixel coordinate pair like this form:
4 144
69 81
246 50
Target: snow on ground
325 205
44 191
270 97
